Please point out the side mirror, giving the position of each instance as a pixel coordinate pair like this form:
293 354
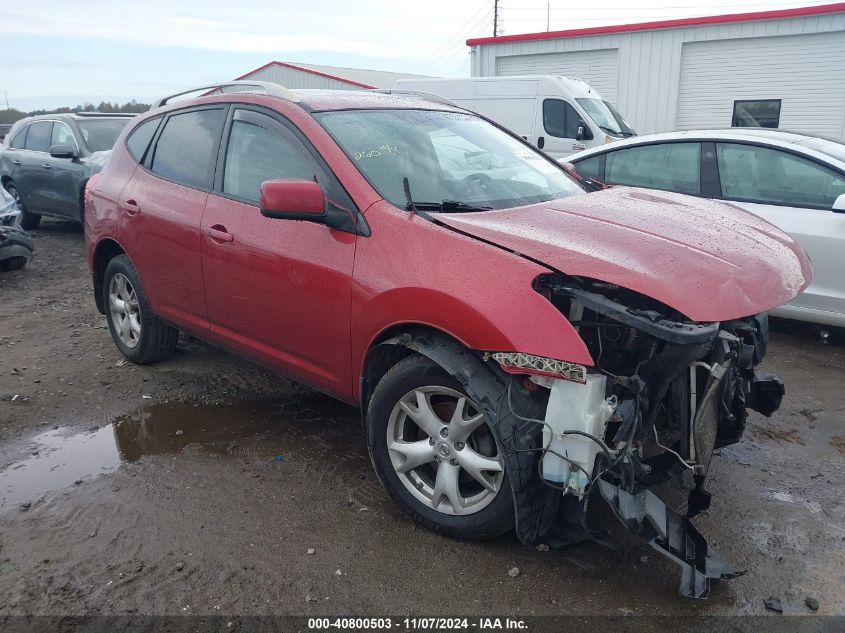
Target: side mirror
293 200
62 151
839 204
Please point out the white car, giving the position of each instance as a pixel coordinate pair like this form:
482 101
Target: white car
794 181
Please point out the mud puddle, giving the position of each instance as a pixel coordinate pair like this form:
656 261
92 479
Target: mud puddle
60 458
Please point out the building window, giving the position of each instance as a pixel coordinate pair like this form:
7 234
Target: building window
762 113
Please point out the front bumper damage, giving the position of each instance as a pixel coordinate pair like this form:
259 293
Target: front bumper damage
663 395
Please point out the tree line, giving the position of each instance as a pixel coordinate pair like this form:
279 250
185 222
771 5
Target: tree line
10 115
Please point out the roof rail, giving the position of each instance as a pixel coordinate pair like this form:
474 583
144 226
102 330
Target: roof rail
267 87
96 114
420 93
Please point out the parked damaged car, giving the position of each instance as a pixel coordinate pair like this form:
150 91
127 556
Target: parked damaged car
516 345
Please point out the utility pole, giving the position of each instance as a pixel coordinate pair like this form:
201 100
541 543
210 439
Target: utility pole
495 18
547 16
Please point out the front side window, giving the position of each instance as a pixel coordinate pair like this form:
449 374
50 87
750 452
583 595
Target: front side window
38 138
606 117
139 138
560 119
19 140
752 173
62 135
260 148
445 156
187 147
762 113
100 134
669 166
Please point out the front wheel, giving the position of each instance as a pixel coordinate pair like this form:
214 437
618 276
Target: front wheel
434 453
136 331
29 221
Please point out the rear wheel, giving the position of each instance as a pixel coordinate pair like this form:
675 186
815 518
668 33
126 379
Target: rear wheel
435 454
13 263
138 334
29 221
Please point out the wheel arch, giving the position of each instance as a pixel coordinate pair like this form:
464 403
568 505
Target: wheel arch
535 504
106 250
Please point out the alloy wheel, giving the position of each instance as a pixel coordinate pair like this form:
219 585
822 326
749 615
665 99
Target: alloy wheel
124 310
443 451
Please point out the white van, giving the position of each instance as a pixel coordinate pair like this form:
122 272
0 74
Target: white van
560 115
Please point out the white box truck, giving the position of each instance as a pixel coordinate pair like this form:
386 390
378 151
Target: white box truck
560 115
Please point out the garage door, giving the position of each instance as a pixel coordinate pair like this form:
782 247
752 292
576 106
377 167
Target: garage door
598 68
804 71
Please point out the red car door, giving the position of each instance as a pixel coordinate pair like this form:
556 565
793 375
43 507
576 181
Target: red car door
163 205
277 291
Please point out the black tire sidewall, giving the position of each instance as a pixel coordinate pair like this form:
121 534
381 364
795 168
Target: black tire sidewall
122 264
414 372
29 221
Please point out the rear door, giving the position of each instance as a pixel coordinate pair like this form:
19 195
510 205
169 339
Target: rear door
162 207
278 291
34 172
795 194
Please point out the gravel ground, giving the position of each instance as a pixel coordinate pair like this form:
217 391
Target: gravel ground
207 485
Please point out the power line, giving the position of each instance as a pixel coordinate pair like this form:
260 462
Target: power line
449 41
460 50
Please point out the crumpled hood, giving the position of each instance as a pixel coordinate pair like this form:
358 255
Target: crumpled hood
709 260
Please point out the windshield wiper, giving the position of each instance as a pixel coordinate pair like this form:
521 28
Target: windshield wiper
450 205
444 205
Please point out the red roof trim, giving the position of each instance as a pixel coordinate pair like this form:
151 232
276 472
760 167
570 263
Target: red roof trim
305 70
781 14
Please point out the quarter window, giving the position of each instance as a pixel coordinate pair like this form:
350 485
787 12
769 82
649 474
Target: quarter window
140 138
38 139
670 166
62 135
589 167
186 148
560 119
261 148
19 141
761 174
763 113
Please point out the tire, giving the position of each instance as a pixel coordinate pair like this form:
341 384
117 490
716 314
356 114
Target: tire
138 334
13 263
29 221
487 513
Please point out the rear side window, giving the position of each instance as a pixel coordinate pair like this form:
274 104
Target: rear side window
260 148
589 167
187 147
140 138
560 119
769 176
670 166
38 139
19 140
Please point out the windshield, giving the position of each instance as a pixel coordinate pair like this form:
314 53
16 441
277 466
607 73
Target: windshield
449 157
831 148
606 117
100 134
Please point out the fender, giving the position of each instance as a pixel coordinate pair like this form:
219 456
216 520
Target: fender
535 504
479 294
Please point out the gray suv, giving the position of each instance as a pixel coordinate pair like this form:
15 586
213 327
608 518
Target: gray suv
46 160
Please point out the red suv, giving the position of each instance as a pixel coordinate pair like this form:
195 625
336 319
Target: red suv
514 342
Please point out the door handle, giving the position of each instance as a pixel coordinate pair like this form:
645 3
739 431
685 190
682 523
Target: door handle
46 166
16 162
130 206
218 233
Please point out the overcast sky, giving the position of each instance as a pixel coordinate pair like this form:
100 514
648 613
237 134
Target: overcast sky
58 52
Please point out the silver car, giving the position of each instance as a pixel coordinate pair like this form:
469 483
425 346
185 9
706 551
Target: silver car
794 181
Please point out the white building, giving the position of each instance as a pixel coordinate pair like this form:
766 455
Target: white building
782 68
297 75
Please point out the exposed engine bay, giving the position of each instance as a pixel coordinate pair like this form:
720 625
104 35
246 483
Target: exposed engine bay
663 394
